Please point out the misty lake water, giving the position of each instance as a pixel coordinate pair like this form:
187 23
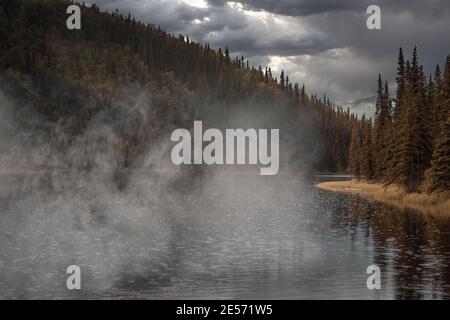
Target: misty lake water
223 236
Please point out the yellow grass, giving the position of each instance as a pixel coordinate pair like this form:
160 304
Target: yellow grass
392 195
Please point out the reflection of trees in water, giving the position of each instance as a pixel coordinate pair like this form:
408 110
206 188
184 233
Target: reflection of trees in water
415 246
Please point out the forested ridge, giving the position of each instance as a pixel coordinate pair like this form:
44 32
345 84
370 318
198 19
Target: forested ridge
408 143
78 74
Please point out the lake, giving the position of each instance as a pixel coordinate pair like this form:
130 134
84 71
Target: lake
223 235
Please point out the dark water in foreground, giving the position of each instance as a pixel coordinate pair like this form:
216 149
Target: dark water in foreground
228 236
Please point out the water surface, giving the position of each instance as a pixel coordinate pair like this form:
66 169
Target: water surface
223 236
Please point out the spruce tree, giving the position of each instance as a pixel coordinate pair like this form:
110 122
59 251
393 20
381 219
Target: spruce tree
354 158
393 171
438 175
438 102
381 125
367 167
446 81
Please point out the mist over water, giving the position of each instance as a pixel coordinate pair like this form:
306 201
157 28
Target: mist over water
234 236
149 229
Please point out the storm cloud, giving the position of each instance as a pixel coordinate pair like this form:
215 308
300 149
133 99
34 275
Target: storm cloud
324 44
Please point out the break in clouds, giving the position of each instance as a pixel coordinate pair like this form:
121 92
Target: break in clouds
316 42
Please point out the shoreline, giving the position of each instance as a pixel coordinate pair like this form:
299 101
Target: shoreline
392 195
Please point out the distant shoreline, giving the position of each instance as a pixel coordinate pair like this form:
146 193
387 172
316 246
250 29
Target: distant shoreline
392 195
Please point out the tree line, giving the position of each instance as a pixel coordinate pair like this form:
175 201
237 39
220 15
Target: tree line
408 141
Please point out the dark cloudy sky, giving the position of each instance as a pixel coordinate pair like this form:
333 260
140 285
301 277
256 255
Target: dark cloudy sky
322 43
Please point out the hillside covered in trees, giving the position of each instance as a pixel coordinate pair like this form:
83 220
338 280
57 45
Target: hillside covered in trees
408 143
142 82
115 63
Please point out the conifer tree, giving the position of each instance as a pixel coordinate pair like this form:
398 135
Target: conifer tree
393 172
381 125
438 175
446 80
367 167
437 102
354 158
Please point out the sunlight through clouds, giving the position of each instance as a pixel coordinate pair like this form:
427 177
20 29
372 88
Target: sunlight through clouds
196 3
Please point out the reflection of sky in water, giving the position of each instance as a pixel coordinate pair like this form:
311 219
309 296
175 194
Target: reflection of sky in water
223 236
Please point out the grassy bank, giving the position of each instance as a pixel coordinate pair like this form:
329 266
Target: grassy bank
392 195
